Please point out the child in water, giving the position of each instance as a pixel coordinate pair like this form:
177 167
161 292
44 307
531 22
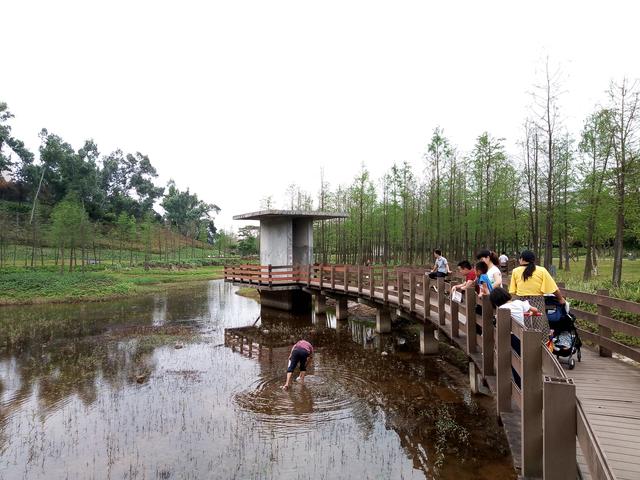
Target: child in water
300 353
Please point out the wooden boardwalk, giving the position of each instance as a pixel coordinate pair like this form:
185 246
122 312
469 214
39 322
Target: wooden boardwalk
607 389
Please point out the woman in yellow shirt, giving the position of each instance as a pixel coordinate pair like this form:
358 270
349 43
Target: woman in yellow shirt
530 282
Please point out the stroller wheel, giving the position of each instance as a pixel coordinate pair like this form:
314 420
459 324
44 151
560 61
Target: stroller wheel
579 356
572 364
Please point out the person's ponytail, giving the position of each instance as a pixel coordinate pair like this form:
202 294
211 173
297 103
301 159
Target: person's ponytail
529 257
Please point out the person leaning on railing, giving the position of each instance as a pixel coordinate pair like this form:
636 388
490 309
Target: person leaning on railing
530 282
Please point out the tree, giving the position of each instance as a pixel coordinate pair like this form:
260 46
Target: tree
624 100
186 212
596 147
248 240
9 144
546 110
68 227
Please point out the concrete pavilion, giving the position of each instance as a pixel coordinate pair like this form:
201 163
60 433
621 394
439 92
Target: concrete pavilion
286 238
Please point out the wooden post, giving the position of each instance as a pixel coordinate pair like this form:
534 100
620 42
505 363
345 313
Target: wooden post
560 429
488 341
605 332
531 439
455 321
321 275
333 277
441 309
372 283
426 297
270 269
385 284
470 304
400 287
346 278
503 368
412 291
309 275
359 279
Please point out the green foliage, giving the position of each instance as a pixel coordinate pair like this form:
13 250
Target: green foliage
186 212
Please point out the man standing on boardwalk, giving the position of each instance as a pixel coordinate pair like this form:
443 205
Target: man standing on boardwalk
300 353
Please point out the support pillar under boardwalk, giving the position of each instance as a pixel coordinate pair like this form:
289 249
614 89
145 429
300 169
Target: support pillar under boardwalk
320 303
342 311
287 300
428 341
383 320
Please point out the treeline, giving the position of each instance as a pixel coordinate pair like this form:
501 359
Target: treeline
80 200
557 196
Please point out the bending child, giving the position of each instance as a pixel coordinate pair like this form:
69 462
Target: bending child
300 353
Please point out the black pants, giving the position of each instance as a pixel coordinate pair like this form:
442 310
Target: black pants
299 355
437 274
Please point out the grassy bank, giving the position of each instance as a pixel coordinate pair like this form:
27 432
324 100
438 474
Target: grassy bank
22 286
249 292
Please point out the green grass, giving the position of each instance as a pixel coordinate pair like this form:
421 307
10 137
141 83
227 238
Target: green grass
629 290
23 286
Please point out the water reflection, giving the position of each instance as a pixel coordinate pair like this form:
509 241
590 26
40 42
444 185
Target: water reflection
128 390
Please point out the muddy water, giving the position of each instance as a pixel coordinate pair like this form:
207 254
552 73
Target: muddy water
155 388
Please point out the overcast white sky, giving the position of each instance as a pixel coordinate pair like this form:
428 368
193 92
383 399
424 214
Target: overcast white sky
238 99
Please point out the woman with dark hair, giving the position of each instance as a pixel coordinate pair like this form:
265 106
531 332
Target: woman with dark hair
492 261
530 282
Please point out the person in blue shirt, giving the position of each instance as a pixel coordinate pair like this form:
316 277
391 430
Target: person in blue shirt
482 279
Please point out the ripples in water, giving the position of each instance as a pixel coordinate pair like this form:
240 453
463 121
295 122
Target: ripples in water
326 396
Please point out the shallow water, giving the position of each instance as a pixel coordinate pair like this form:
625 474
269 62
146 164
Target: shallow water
101 391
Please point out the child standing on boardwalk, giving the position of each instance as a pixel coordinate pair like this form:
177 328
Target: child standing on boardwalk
300 353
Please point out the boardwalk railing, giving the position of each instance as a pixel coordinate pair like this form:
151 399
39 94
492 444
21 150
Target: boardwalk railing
524 376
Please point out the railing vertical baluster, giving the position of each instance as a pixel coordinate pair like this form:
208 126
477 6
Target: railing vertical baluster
308 275
441 308
605 332
372 283
470 306
426 296
385 284
559 428
400 281
412 291
503 368
333 277
488 341
346 277
269 275
359 279
455 323
321 275
531 358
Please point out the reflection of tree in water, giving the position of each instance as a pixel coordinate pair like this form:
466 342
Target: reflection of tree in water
60 351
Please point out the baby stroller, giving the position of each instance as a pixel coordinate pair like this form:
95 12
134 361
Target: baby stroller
565 341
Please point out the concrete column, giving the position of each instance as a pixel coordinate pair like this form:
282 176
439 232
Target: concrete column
383 320
320 303
428 342
320 320
341 309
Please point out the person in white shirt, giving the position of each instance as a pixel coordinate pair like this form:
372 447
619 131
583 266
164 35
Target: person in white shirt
494 273
504 260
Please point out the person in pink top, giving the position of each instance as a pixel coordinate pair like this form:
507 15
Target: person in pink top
300 353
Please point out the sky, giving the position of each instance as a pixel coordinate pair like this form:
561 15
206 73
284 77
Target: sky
236 100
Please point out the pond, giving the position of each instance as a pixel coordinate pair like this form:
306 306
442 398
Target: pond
186 384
